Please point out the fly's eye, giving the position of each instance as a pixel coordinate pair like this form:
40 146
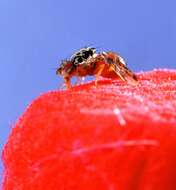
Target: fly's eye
78 60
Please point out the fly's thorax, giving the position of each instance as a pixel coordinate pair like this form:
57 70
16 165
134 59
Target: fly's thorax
83 55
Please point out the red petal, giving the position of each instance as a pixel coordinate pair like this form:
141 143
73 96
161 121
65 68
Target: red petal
113 137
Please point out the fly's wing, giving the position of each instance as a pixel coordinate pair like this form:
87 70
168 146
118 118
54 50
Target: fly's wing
125 73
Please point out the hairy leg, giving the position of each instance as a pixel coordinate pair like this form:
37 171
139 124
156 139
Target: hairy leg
100 69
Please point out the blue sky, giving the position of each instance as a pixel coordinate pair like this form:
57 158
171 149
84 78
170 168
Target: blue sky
35 35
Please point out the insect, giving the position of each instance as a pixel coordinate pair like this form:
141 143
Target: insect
87 62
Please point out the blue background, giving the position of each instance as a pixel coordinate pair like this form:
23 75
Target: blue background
36 34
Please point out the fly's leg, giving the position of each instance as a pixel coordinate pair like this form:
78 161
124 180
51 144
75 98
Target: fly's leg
100 69
67 82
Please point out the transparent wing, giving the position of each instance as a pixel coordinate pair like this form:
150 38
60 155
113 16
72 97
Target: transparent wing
120 68
125 73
